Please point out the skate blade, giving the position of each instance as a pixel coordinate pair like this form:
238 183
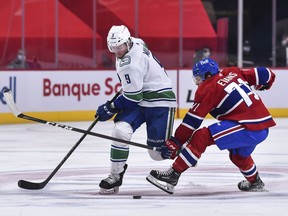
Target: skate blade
104 191
264 189
160 184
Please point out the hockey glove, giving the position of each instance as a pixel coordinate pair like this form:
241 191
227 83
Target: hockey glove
262 87
105 112
170 149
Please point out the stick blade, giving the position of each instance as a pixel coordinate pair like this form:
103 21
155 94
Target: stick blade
31 185
10 102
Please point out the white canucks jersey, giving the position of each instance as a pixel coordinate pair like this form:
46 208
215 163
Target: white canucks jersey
143 78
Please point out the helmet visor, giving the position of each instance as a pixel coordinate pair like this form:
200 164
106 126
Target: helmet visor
117 49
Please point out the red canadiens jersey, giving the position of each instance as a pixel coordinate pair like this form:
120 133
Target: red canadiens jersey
228 96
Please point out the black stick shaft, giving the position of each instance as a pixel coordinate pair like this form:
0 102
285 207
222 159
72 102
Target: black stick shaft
36 186
87 132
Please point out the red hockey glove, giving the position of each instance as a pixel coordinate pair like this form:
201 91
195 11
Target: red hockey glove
262 87
170 149
266 86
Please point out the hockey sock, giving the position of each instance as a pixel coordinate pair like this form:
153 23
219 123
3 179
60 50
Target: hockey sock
194 149
118 157
246 166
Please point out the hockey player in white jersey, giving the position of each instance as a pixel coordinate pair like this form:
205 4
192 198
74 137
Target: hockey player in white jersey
147 97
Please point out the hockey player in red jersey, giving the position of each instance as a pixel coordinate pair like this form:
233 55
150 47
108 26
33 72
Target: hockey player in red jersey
244 122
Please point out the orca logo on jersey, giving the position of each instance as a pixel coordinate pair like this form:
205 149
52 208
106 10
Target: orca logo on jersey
125 61
12 86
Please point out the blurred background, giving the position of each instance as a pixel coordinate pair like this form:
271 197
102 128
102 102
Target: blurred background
71 34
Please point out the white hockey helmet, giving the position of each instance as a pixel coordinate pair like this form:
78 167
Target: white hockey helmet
117 36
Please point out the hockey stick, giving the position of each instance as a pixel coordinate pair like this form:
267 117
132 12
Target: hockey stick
34 185
13 108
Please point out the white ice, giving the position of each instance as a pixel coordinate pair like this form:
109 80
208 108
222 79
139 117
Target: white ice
32 151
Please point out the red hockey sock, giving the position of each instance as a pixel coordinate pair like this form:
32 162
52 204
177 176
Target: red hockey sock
246 166
194 149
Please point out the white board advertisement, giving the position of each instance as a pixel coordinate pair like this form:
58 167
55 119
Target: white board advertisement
45 91
60 91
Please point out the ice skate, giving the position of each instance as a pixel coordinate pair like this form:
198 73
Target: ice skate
257 186
165 180
111 184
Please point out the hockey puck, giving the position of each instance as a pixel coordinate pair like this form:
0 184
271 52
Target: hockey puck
136 197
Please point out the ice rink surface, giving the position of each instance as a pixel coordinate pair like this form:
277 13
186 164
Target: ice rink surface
32 151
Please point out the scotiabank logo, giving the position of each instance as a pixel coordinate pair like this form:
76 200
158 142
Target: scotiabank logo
78 90
12 86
